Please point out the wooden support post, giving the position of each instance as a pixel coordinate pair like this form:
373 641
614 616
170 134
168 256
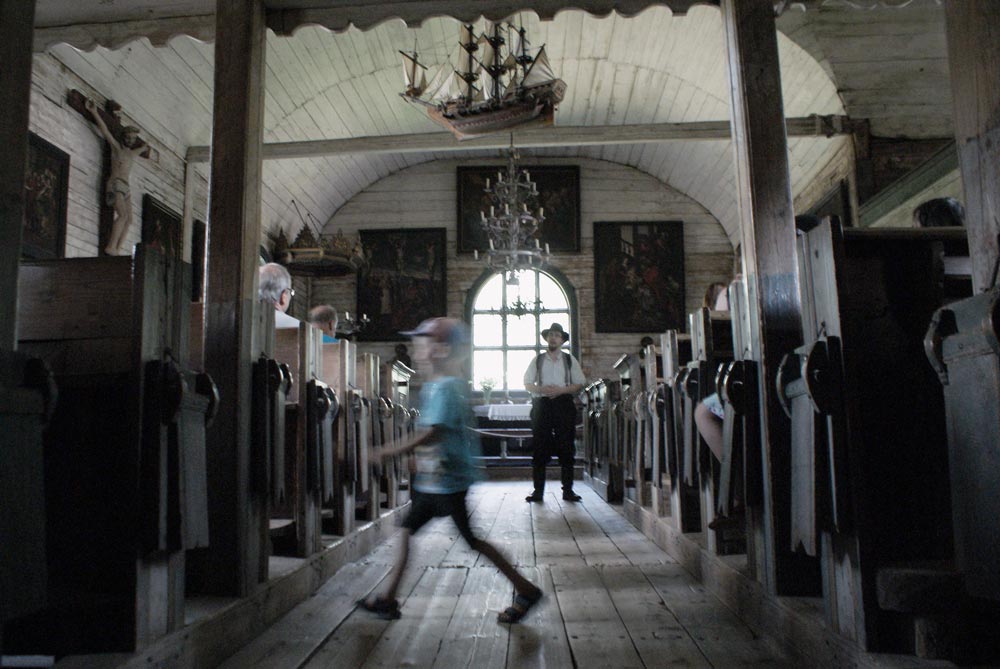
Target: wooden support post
236 514
768 233
17 19
973 31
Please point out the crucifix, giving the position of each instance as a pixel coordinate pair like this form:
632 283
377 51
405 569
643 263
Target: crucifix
124 145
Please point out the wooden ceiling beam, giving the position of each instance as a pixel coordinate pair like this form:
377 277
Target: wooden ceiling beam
538 137
285 16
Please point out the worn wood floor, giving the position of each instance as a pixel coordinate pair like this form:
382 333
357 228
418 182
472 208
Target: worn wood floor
612 599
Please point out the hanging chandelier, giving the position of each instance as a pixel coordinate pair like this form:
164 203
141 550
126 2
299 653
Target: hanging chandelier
511 226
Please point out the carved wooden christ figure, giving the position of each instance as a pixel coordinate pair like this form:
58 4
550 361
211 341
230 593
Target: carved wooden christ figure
117 191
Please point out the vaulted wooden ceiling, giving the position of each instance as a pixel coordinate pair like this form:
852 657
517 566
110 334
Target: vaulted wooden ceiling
885 63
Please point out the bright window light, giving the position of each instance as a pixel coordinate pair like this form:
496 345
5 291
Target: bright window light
507 321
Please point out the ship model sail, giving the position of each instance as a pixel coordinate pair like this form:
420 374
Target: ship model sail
492 83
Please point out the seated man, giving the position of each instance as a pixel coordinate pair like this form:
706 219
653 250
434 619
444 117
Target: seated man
275 286
325 318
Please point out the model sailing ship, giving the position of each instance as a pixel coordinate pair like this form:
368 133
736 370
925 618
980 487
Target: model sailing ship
493 83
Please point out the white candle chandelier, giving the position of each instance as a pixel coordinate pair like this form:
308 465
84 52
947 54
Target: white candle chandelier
511 227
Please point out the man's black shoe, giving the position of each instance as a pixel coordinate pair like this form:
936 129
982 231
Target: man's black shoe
533 498
571 496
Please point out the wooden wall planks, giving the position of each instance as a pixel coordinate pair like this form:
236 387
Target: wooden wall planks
424 196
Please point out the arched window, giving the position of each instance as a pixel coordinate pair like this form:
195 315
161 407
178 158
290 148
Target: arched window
508 313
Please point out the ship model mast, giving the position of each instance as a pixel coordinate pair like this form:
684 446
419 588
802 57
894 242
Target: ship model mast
494 83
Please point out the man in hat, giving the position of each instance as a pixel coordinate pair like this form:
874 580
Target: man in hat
553 379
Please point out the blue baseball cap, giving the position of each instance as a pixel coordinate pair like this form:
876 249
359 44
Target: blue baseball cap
442 330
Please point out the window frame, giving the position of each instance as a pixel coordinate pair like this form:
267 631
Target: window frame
570 317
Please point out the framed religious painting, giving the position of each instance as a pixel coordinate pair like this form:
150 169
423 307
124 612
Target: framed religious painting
46 186
402 281
558 195
161 227
639 276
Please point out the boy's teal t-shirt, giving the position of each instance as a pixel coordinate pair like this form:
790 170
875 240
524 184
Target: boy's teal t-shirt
446 466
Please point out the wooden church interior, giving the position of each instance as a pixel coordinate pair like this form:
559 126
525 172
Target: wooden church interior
181 465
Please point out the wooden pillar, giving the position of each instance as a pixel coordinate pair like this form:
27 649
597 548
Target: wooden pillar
973 31
17 19
232 563
23 578
770 265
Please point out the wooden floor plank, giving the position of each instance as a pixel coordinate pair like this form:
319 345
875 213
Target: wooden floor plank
611 598
657 635
540 640
597 635
722 637
296 636
474 638
512 533
591 540
414 639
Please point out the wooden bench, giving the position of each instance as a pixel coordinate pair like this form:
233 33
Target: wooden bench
712 351
338 370
297 469
27 398
364 413
125 474
740 493
676 352
596 436
397 428
869 448
630 426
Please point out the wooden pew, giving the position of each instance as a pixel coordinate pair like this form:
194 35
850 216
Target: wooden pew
125 464
396 428
740 472
676 352
597 436
27 398
629 426
712 344
961 344
338 371
869 449
296 523
651 456
366 410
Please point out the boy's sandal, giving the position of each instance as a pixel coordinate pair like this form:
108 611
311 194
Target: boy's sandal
522 604
385 608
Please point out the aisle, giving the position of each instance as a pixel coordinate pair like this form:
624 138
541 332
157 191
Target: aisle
612 599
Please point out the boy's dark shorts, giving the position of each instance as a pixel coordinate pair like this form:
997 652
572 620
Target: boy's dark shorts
424 506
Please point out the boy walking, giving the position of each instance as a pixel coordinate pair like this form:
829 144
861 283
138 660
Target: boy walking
445 469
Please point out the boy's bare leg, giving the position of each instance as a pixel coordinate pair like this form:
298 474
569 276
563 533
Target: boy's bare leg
521 584
396 575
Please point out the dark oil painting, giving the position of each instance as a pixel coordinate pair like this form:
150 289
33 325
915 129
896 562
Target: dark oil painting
161 227
639 276
402 281
558 194
46 185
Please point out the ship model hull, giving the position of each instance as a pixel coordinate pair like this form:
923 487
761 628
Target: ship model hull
533 107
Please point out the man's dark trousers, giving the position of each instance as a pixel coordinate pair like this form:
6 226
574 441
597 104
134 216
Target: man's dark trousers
553 426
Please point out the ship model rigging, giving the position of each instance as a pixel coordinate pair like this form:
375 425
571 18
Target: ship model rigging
492 83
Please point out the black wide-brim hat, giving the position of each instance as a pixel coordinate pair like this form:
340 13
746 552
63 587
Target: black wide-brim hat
557 328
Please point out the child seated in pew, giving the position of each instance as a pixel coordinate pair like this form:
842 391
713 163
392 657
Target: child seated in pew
444 448
708 414
325 318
